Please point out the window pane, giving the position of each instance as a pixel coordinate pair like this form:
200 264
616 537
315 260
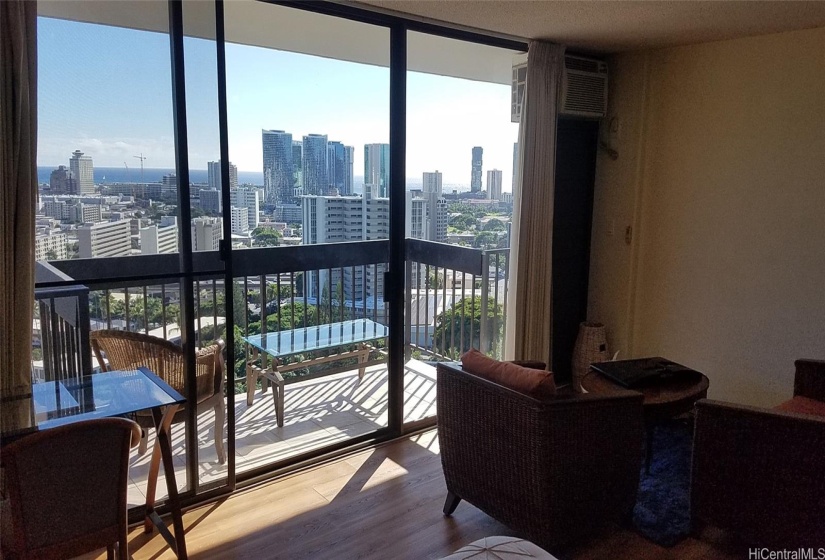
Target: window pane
461 147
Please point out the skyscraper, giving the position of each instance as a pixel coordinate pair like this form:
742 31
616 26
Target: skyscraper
377 169
214 175
436 207
494 184
83 173
349 179
210 201
278 171
246 197
475 176
61 181
336 154
432 182
314 160
297 169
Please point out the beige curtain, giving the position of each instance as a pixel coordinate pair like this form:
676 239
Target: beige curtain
529 325
18 189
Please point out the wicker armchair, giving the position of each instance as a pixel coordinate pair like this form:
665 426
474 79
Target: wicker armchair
551 470
760 473
127 350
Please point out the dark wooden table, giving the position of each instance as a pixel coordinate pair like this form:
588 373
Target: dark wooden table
662 399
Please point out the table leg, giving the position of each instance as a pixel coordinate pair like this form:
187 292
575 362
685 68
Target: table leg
648 447
163 451
278 394
363 355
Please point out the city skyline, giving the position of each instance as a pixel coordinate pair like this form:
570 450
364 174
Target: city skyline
133 114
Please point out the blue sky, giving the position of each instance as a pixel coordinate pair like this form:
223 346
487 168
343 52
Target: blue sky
107 91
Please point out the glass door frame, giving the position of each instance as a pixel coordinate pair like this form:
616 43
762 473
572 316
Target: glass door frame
394 277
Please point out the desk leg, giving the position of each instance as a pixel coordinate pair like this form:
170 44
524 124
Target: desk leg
163 451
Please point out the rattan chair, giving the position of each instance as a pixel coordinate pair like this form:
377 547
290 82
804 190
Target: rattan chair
66 490
759 473
120 350
552 470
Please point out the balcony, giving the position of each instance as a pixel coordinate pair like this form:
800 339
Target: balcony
455 298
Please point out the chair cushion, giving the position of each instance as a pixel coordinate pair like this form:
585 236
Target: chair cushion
803 405
500 548
531 382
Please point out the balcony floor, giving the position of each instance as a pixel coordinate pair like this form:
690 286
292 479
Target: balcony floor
318 412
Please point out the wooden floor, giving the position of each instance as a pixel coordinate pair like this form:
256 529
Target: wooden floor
383 503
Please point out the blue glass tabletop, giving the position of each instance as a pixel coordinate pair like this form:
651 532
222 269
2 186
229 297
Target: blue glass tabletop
321 337
101 395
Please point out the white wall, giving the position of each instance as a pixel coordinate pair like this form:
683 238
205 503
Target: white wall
721 175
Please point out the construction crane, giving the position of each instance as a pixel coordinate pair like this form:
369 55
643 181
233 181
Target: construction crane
141 158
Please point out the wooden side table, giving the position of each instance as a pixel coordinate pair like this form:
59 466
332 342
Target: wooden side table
662 400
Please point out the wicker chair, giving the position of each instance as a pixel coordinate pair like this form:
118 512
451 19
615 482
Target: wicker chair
551 470
760 473
127 350
67 490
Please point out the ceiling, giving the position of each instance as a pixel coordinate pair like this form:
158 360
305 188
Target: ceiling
616 26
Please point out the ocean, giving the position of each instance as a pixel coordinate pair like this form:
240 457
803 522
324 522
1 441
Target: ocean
150 175
200 176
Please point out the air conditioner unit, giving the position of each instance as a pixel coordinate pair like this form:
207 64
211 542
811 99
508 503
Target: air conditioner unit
584 87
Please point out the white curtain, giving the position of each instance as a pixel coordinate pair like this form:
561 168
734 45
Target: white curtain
529 303
18 190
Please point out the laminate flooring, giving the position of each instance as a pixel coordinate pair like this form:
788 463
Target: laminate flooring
381 503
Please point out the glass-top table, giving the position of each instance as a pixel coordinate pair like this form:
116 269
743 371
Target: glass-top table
103 395
309 339
281 344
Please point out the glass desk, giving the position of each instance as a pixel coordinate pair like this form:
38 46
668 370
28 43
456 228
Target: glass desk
102 395
281 344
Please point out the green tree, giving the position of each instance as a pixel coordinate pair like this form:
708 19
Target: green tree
266 237
466 314
494 225
464 222
486 240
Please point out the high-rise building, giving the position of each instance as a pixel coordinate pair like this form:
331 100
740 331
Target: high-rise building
158 239
278 169
206 234
297 168
50 245
416 221
213 169
432 182
335 168
210 201
314 162
494 184
339 168
104 239
475 176
515 166
247 197
61 181
436 207
240 220
337 219
377 169
83 173
349 178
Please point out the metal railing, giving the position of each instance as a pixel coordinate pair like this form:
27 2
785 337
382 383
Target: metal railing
61 329
456 300
455 296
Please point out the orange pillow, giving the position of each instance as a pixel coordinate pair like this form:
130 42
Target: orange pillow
531 382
